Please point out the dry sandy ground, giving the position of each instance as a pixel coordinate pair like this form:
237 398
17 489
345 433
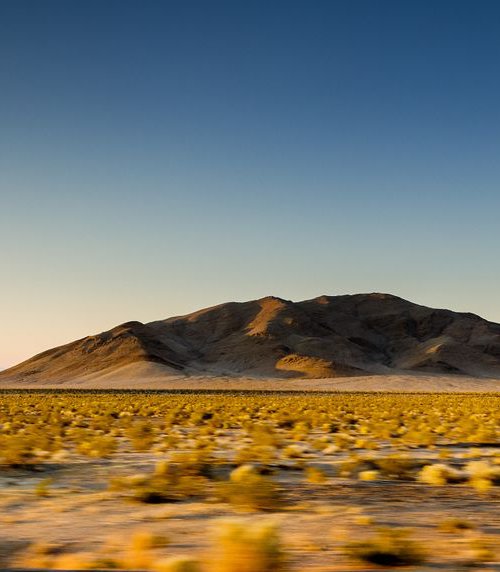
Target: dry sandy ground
81 516
149 377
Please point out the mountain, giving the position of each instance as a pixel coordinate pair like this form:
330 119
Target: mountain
329 336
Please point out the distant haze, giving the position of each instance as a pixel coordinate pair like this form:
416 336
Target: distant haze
164 156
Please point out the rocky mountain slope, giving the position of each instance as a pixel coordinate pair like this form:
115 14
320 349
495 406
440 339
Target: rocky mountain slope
329 336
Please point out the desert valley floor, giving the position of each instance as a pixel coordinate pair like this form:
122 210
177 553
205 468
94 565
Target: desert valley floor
232 481
148 378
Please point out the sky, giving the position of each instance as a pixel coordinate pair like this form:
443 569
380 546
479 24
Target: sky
157 157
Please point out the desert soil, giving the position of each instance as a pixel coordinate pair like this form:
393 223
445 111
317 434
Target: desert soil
149 379
81 515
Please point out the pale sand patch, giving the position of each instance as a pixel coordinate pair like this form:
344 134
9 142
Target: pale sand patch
151 377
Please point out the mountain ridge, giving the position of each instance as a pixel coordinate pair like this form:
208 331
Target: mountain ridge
327 336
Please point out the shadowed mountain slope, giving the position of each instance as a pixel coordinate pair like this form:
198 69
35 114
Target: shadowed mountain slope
329 336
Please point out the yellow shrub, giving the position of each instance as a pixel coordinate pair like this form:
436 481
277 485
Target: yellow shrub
247 547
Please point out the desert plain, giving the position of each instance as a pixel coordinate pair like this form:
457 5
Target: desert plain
225 480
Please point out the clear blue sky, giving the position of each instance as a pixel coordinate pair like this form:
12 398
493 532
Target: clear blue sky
158 157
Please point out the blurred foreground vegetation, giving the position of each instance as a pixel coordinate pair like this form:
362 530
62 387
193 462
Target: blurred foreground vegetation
248 451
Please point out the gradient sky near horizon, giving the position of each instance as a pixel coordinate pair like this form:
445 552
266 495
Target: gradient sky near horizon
157 157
